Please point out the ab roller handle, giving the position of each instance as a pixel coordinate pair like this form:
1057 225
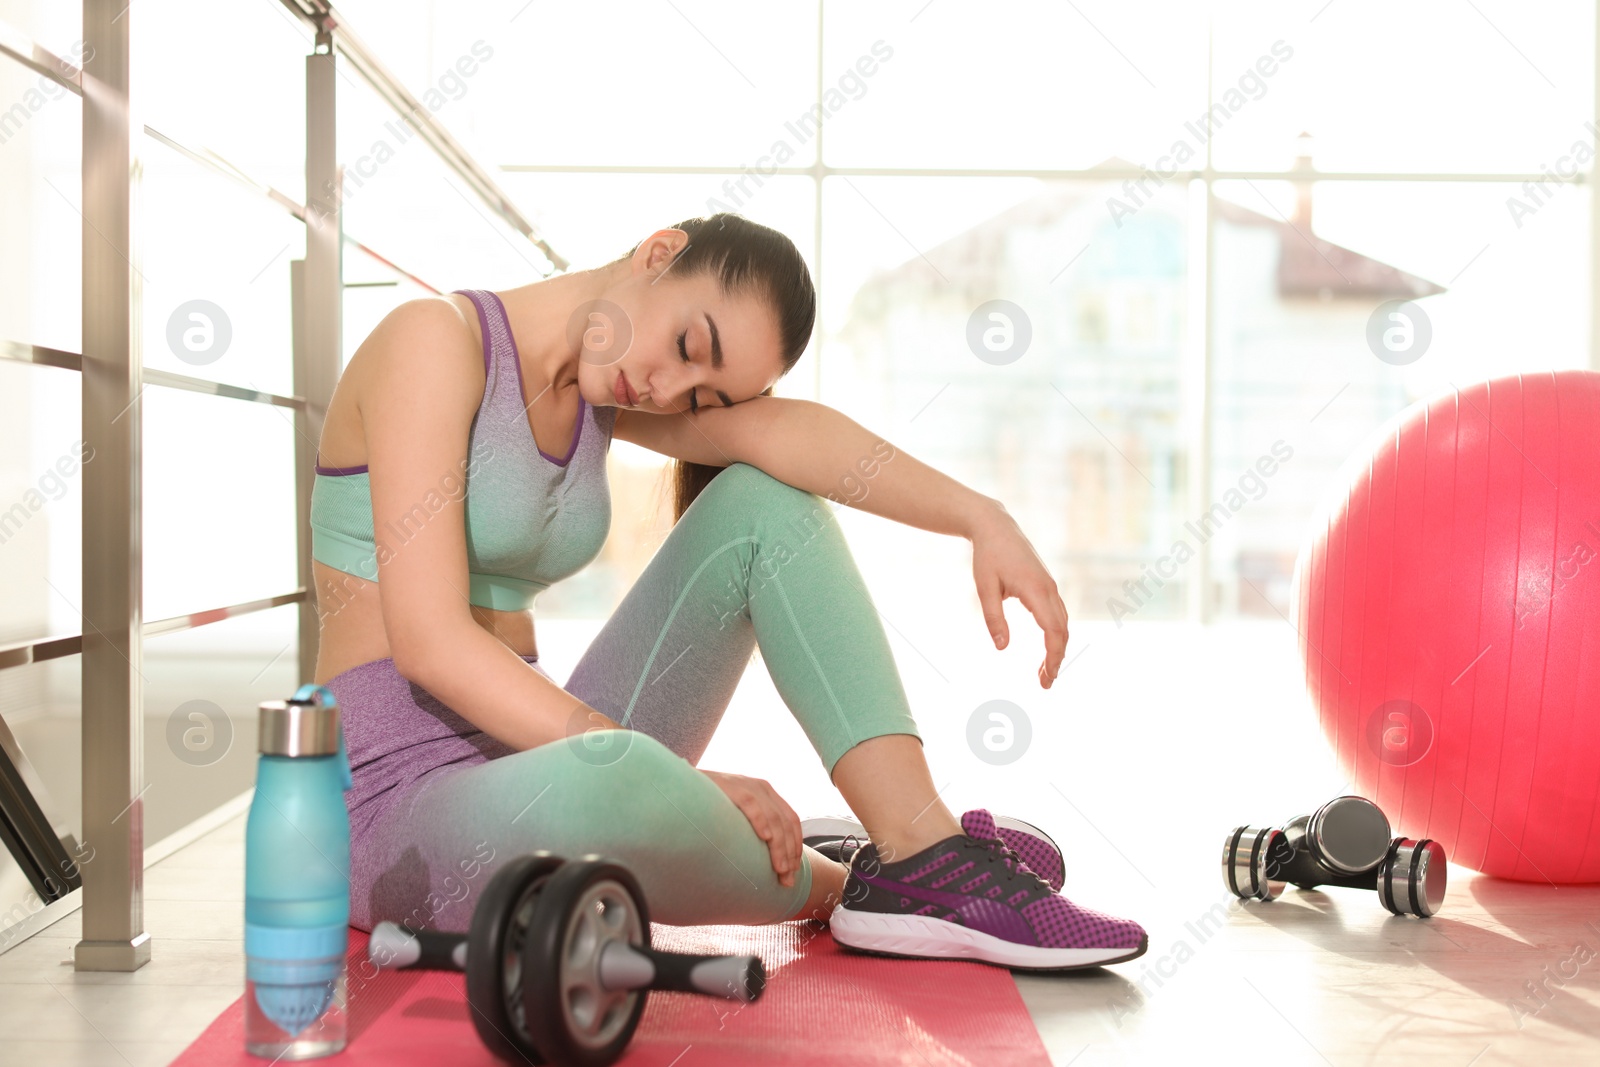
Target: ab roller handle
621 966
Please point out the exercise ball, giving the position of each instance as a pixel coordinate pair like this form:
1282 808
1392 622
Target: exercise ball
1447 600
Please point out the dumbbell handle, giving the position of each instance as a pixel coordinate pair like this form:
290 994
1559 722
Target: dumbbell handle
392 947
1301 868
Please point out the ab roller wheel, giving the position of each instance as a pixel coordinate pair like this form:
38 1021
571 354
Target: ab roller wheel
500 924
558 961
585 967
1346 842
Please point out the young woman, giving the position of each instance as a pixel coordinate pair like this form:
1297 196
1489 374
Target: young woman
462 470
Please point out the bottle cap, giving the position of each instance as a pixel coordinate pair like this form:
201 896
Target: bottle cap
299 727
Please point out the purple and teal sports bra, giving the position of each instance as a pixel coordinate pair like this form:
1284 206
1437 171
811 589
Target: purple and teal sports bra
532 519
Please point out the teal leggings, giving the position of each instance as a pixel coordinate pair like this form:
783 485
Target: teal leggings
752 561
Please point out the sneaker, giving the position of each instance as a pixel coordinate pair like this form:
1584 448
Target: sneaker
970 897
831 835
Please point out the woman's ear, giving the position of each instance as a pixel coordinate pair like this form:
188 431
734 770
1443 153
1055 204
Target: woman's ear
656 253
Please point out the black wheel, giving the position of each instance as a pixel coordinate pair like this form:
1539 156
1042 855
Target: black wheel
571 1017
500 921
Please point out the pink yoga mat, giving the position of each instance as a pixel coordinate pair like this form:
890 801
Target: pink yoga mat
821 1006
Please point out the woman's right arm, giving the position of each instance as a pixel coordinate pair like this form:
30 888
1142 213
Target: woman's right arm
418 402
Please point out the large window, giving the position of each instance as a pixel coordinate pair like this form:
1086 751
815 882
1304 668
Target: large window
1193 228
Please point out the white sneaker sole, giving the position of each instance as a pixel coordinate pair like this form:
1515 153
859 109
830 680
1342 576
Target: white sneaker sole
924 937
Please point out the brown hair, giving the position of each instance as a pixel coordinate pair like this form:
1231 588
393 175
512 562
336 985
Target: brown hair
745 256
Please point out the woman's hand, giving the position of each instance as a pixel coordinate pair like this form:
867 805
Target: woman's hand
1004 564
770 815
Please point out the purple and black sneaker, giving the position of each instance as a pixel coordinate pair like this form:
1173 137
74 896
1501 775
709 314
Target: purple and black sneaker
831 835
971 897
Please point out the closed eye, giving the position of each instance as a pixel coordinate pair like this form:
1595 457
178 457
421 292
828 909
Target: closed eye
683 350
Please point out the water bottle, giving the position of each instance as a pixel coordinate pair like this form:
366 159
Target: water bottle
297 881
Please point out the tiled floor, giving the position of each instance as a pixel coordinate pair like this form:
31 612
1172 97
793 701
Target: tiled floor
51 1014
1152 745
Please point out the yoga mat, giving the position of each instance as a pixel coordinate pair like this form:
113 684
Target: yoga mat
821 1006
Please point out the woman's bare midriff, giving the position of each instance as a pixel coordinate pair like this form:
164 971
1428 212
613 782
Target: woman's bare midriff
351 619
352 623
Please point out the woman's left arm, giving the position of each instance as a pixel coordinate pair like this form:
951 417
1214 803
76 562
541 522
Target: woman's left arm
816 448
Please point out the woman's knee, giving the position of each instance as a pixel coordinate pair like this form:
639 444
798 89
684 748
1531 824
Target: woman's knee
754 491
785 518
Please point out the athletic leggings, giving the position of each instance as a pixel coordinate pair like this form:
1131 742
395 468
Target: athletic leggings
752 561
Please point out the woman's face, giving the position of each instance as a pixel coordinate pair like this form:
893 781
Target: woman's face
634 340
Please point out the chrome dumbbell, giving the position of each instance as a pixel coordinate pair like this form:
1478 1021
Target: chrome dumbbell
1346 842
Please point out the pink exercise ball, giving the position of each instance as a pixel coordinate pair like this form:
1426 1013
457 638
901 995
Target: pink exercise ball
1448 605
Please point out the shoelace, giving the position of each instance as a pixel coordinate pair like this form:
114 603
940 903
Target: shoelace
1015 868
844 843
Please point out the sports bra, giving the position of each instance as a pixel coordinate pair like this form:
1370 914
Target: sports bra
531 518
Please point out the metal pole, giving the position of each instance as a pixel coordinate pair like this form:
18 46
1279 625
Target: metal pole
816 226
1203 609
1199 606
317 293
114 938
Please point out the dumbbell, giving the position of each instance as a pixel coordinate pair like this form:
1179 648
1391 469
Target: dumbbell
558 961
1345 842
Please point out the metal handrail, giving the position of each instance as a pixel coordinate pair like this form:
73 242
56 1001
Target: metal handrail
215 163
232 392
1099 172
55 357
45 357
321 17
31 54
22 653
176 623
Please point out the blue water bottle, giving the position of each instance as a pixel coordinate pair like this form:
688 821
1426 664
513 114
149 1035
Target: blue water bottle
297 881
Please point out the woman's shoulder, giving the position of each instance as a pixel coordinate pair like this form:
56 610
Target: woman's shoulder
417 340
448 319
422 351
417 367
